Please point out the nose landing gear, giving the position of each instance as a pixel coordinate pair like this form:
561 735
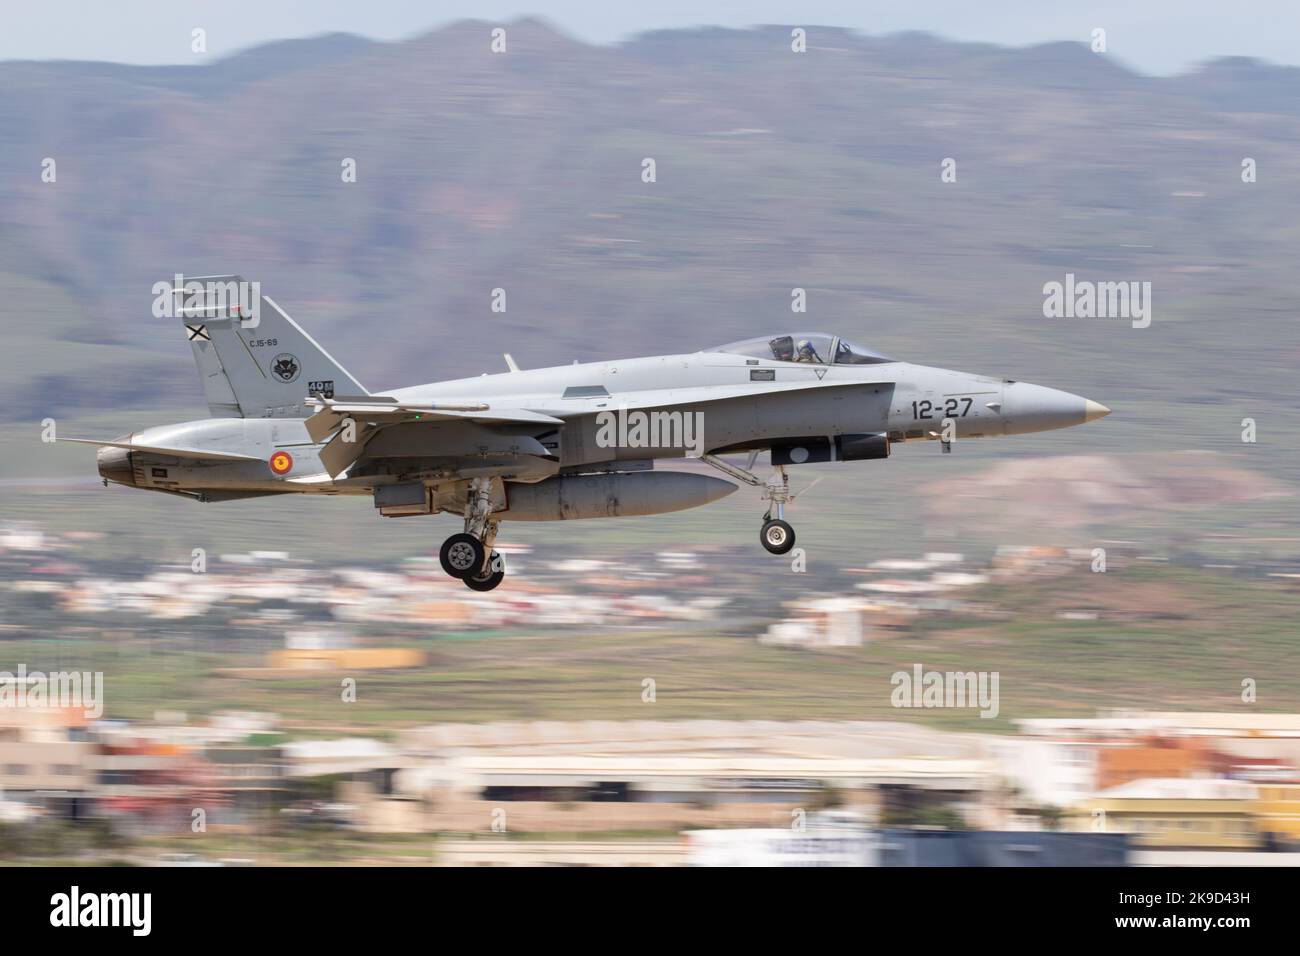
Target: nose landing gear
777 536
469 555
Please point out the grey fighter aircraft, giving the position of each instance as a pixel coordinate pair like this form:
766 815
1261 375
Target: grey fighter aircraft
575 441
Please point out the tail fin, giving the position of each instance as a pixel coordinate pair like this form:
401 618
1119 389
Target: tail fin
254 360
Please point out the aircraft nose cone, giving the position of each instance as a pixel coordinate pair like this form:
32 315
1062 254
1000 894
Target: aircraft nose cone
1094 410
1036 408
115 465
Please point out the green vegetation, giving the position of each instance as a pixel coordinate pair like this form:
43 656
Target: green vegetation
1166 638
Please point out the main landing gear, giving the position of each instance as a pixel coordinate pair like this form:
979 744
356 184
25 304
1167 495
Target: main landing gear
469 555
776 535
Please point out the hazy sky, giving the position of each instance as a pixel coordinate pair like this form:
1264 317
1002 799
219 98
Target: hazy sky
1154 36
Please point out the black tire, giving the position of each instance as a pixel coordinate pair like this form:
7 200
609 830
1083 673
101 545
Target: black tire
496 573
777 536
461 555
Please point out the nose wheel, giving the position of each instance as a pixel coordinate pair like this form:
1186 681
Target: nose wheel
777 536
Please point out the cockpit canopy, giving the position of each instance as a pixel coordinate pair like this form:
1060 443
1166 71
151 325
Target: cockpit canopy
813 347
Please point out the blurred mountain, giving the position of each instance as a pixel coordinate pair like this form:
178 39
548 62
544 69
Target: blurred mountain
522 171
1042 499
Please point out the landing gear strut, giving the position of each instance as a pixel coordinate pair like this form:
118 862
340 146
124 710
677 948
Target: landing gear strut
776 535
469 555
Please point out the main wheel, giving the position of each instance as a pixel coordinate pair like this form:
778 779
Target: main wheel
461 554
496 572
777 536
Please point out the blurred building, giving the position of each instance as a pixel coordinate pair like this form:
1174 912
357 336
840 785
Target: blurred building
47 759
345 658
656 775
825 840
1278 813
1175 813
1059 761
992 848
507 852
821 623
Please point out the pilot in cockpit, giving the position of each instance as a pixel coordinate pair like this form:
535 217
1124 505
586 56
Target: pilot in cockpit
807 353
785 349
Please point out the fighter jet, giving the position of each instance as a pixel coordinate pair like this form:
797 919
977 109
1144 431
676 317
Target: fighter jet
547 444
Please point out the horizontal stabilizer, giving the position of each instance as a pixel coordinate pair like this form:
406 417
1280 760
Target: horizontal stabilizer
339 454
173 452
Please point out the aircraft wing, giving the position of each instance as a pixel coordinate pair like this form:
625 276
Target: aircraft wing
374 413
377 410
201 453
